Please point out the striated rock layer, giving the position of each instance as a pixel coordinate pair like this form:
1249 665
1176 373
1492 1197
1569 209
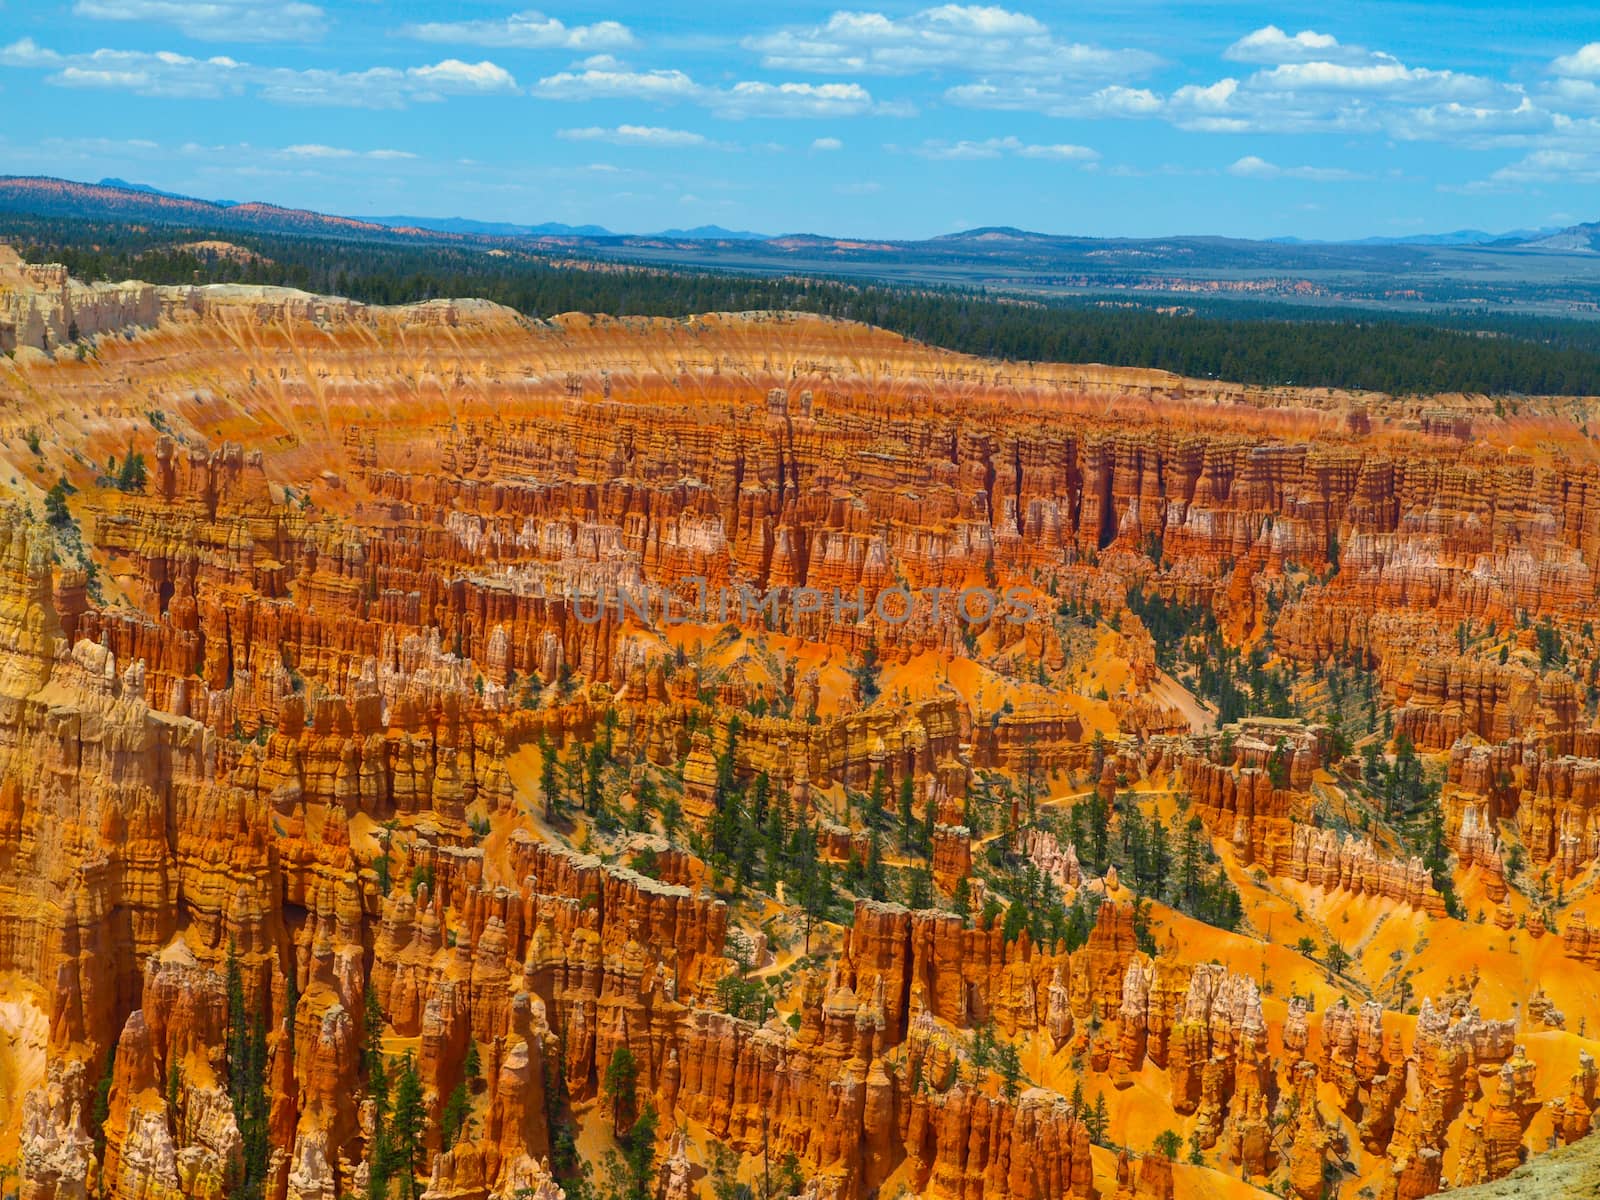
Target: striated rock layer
274 728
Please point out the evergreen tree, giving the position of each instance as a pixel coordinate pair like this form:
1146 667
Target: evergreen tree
873 877
100 1106
1009 1064
961 898
631 1174
907 804
407 1123
620 1085
919 888
1098 1119
247 1076
453 1121
877 793
593 779
548 783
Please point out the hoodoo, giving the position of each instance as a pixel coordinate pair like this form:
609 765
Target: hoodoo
450 754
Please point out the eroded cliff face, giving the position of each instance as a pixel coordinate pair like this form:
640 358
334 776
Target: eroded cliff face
274 722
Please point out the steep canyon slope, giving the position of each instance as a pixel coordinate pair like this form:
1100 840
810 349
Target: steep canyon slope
377 800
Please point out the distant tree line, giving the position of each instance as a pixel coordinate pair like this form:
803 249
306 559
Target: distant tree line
1274 345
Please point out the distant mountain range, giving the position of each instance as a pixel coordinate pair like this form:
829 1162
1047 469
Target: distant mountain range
112 197
556 229
1549 270
119 199
1574 238
1459 237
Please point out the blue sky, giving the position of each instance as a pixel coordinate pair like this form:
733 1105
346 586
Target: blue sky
877 120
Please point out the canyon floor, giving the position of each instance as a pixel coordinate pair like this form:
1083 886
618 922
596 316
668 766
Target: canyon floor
450 754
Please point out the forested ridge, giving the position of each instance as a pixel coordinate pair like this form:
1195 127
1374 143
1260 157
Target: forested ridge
1279 345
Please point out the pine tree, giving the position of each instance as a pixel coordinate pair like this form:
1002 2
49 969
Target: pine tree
593 780
548 784
631 1174
907 803
876 881
372 1048
1099 833
1009 1064
406 1124
247 1071
961 898
100 1107
919 888
876 796
453 1121
620 1084
1098 1120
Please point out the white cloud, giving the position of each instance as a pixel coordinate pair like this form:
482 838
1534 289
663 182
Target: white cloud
1269 44
1541 166
998 147
751 99
972 38
636 135
1114 100
604 84
1473 125
169 75
1252 167
216 20
1583 63
1309 83
1386 78
527 30
827 144
454 75
745 99
315 150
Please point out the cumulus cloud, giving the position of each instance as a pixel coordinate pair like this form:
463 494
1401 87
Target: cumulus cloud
636 135
166 74
1306 82
216 20
972 38
1583 63
1269 44
1252 167
1390 77
527 30
827 143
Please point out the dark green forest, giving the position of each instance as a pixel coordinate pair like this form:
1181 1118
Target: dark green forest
1277 345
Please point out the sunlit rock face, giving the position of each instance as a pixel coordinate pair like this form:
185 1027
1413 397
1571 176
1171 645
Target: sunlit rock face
273 718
